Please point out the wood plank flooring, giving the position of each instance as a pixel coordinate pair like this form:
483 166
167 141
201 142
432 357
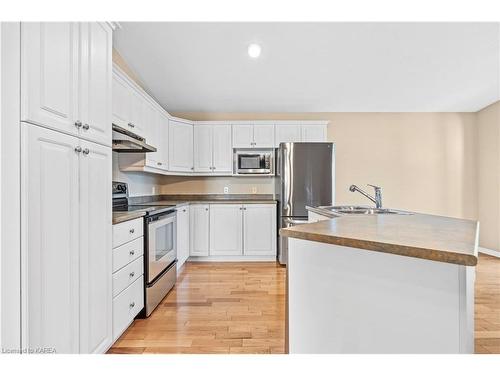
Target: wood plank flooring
215 308
240 308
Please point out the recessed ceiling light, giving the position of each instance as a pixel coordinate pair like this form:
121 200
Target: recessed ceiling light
254 50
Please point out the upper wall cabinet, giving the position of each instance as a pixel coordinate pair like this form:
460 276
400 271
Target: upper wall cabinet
313 133
131 109
212 149
180 146
287 133
65 76
253 136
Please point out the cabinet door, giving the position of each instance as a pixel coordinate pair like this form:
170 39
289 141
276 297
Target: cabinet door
199 229
288 133
50 240
122 101
259 229
182 235
49 75
138 113
242 136
153 159
225 229
180 147
95 249
313 133
222 150
263 136
96 65
203 148
163 143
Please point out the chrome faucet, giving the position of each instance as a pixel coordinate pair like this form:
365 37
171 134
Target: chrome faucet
378 194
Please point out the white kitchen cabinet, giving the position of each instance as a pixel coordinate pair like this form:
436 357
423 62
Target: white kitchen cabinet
180 147
203 148
66 238
253 136
126 306
139 113
259 229
243 136
288 133
263 136
154 159
222 150
121 102
199 222
212 149
96 73
50 232
161 155
66 78
226 229
49 74
313 133
95 248
182 235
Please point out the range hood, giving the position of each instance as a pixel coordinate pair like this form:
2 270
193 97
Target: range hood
126 141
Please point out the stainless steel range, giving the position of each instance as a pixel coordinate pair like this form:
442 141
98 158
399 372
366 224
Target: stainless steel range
160 246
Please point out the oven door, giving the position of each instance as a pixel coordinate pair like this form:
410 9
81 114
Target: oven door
162 243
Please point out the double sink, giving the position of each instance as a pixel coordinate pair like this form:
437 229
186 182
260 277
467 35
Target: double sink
361 210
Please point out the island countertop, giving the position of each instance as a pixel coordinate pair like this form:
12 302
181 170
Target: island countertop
431 237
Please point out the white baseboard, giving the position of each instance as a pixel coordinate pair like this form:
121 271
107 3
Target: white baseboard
487 251
234 258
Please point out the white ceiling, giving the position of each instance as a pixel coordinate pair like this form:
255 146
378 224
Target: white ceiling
315 67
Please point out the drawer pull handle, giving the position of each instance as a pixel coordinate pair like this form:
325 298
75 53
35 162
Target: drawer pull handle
132 304
132 230
132 252
132 274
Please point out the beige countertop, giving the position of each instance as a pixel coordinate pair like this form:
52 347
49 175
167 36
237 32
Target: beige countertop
431 237
120 217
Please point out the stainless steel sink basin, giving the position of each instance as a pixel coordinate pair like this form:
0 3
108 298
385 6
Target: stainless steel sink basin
361 210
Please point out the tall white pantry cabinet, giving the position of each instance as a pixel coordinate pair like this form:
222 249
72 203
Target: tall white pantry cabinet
66 166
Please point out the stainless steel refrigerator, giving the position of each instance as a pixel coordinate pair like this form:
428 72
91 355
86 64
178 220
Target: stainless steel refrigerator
306 177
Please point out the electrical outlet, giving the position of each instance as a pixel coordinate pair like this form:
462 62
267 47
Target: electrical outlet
153 190
226 190
254 189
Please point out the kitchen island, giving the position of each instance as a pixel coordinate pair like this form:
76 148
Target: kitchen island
381 284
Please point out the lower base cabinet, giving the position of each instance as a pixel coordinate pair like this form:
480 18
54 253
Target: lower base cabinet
126 306
182 235
222 230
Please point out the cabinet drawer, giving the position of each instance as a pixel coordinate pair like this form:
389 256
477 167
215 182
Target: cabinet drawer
127 253
126 306
127 275
127 231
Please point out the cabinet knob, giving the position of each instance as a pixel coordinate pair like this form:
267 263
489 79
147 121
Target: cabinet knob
78 123
131 125
132 304
132 274
86 151
132 230
206 209
192 168
78 149
158 163
184 210
132 252
86 126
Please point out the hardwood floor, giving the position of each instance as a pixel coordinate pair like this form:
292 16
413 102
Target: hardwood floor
240 308
215 308
487 305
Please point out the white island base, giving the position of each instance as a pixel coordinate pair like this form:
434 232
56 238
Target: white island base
346 300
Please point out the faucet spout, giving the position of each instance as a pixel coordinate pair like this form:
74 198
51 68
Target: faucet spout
378 194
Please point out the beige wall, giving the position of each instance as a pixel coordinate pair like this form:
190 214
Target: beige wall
488 125
424 161
215 185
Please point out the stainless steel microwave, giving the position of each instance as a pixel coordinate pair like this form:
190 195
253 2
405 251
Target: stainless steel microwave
257 162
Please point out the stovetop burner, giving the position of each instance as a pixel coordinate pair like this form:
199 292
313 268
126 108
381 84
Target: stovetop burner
120 202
